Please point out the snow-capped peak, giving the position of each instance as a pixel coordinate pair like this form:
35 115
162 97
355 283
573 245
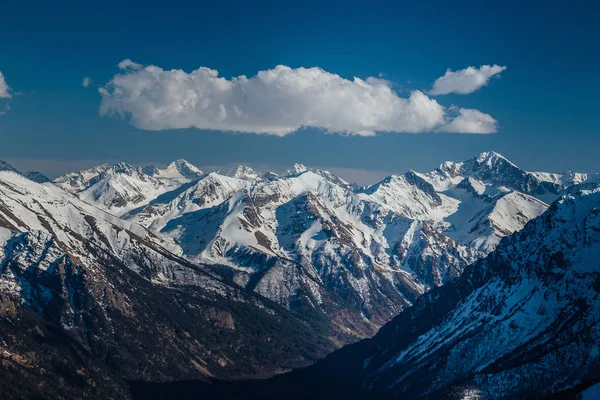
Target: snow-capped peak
77 181
179 170
242 172
121 168
490 158
184 167
296 169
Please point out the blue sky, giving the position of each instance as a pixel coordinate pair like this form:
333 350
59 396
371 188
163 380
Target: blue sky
545 102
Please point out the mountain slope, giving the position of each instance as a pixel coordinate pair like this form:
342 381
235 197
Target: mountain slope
535 298
123 187
76 181
130 303
522 323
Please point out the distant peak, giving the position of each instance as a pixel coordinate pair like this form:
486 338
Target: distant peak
490 160
103 166
178 163
241 172
181 163
490 157
296 169
185 168
243 169
4 166
122 167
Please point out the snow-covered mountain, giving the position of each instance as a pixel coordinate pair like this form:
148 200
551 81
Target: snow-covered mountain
179 170
123 187
522 323
76 181
493 168
241 172
310 239
120 188
309 236
298 169
119 294
302 238
103 252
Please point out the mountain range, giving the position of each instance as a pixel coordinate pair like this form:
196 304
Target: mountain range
151 274
521 323
308 239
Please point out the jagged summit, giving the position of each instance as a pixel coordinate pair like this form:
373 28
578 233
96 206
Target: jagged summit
492 168
122 168
179 170
490 158
296 169
490 161
76 181
184 167
242 172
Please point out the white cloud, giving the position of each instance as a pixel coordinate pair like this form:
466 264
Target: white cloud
128 64
276 101
470 121
466 80
86 81
4 89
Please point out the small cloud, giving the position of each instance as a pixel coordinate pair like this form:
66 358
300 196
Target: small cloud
128 64
86 81
4 88
470 121
465 81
